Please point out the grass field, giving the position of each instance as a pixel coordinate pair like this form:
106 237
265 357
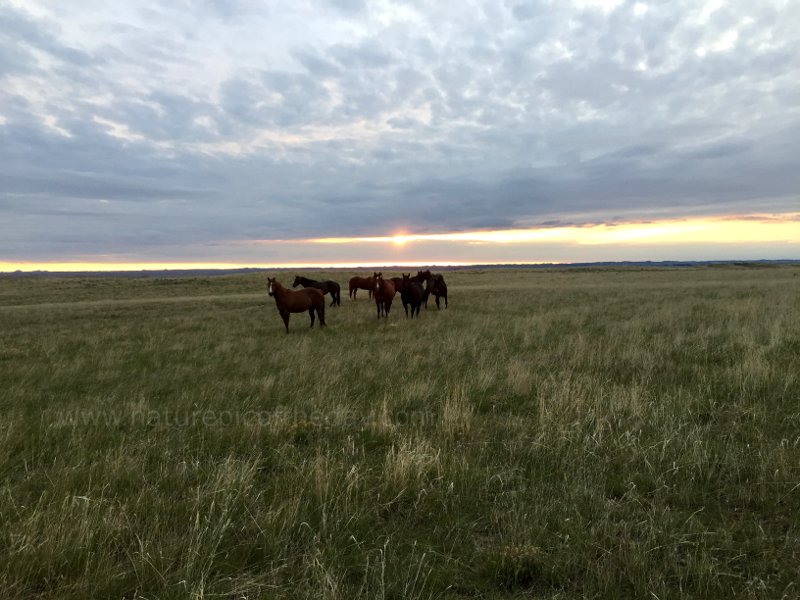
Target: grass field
553 434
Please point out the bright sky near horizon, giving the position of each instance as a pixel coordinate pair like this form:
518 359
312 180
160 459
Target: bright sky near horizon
348 132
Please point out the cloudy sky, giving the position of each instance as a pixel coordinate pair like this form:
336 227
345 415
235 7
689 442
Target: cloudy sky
238 132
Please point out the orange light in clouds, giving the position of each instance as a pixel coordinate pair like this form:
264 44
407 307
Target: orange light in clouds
751 229
718 230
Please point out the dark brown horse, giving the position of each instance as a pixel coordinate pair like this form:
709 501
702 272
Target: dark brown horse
422 276
411 293
398 283
438 288
326 287
361 283
434 284
308 299
384 294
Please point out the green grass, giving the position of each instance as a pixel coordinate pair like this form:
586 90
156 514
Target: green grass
554 434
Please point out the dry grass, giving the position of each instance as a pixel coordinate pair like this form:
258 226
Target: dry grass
555 434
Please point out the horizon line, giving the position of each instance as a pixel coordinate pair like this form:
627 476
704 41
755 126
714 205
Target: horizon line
132 267
200 266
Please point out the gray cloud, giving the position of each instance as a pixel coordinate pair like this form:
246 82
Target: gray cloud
24 30
137 128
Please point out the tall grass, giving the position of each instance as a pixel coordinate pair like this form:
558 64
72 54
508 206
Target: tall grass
555 434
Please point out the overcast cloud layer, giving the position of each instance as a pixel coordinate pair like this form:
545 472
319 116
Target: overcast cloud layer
147 129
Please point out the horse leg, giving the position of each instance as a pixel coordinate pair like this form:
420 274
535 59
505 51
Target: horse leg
405 307
445 300
378 306
333 299
321 315
311 314
285 317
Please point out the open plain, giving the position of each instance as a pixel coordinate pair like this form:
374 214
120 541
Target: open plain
555 433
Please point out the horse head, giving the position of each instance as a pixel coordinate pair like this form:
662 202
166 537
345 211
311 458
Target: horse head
271 286
378 279
296 281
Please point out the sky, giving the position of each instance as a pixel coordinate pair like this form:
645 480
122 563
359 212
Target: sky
246 133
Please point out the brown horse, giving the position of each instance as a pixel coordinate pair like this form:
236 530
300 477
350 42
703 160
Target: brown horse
384 294
308 299
361 283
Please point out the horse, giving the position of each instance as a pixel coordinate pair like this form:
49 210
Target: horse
326 287
361 283
438 288
422 276
384 294
411 293
287 301
434 284
398 284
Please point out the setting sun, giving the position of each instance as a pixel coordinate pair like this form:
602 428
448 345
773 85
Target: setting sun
401 239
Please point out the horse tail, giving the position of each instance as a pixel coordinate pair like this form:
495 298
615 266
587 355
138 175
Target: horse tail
321 313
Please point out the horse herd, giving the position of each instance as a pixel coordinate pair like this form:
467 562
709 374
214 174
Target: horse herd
312 297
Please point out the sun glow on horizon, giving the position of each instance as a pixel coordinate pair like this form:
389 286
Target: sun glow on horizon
402 239
631 241
706 230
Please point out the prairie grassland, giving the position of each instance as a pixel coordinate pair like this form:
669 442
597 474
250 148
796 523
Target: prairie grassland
554 434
